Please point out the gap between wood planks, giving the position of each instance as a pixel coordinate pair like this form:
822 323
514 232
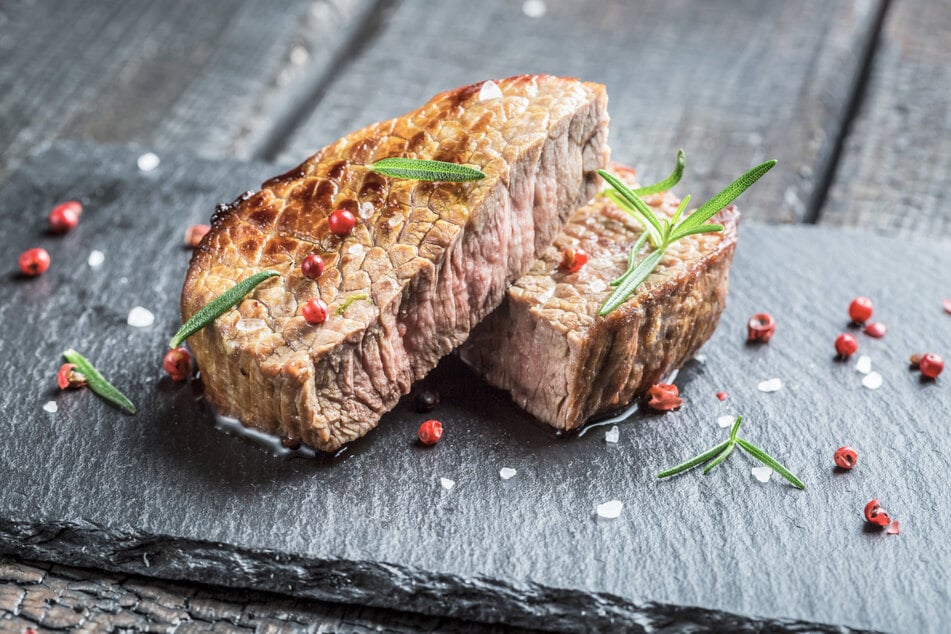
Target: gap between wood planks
361 36
857 96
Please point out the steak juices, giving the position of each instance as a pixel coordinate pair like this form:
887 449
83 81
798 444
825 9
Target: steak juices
425 262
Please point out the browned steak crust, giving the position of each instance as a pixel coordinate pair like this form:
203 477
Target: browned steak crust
432 258
565 364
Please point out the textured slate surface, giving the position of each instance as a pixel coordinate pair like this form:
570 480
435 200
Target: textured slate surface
731 82
166 494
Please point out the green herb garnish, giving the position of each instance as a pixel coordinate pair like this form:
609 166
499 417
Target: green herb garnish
353 298
663 232
423 170
98 383
722 451
218 306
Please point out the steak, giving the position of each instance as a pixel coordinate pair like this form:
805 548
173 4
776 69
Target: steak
565 364
425 262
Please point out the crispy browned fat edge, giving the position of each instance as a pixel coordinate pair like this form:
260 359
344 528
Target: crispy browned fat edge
275 386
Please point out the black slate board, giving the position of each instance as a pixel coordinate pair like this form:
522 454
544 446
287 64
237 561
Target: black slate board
166 494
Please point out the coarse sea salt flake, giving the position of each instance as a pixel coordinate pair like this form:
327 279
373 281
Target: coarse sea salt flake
597 286
726 420
355 249
148 162
490 90
250 325
140 317
507 472
51 407
366 210
534 8
612 435
610 510
447 483
872 380
770 385
96 258
761 473
864 364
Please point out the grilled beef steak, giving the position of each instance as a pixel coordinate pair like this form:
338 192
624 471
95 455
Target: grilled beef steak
562 362
424 263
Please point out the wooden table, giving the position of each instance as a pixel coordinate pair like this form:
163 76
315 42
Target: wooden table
851 97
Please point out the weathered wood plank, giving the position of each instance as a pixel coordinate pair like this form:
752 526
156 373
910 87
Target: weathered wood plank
212 78
732 83
895 172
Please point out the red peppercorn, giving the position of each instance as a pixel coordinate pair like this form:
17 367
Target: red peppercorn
760 328
860 310
931 365
664 397
430 432
722 395
894 529
947 306
34 262
315 311
846 457
178 364
194 234
341 222
846 344
65 216
875 329
312 266
875 514
572 260
68 377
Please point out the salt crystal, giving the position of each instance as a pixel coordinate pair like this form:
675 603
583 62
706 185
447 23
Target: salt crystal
148 162
299 55
726 420
140 317
700 358
872 380
250 325
610 510
770 385
96 258
447 483
597 286
490 90
507 472
534 8
51 407
612 435
355 249
366 210
864 364
761 473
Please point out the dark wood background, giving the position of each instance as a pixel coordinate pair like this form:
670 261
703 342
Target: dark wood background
851 97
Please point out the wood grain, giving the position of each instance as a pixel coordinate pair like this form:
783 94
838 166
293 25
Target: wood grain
733 83
895 173
212 78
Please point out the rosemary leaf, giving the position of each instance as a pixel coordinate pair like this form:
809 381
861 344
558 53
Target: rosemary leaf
729 193
693 462
634 278
708 228
632 259
218 306
723 455
346 304
649 229
424 170
668 182
770 462
736 428
680 210
98 383
634 201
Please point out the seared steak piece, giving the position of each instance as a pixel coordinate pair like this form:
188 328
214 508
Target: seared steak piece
424 263
563 363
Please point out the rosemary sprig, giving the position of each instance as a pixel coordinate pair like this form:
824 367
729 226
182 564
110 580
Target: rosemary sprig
98 383
424 170
722 451
346 304
662 232
218 306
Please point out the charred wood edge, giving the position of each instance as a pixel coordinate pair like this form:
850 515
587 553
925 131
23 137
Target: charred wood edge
857 93
368 583
363 30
